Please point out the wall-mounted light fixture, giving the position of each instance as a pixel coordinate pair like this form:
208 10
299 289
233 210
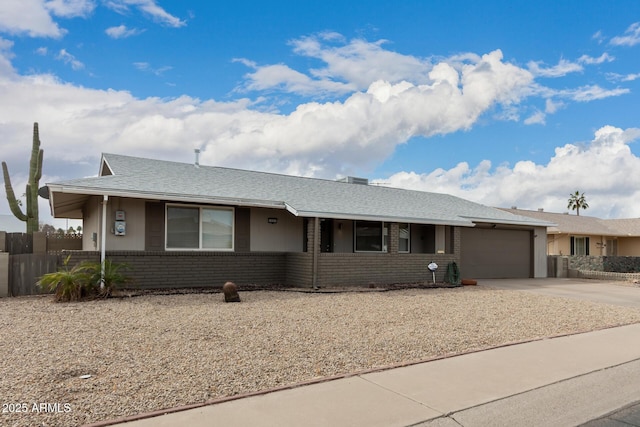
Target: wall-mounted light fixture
272 220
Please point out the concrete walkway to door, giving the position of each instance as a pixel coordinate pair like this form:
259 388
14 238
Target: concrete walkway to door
608 292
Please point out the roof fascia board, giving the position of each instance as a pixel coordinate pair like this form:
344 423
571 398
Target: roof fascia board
166 196
291 209
511 222
346 216
104 163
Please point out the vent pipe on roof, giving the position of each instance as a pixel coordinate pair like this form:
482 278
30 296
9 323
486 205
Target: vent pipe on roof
197 163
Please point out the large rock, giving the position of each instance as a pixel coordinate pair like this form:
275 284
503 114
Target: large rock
230 292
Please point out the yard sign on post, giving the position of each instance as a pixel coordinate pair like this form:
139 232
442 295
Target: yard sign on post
432 268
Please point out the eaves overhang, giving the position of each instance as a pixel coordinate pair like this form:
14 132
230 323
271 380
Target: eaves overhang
511 221
171 197
374 217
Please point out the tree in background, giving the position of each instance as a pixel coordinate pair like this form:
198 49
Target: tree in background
577 201
35 173
48 229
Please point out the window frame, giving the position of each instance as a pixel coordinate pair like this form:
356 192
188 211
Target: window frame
408 239
574 245
200 208
384 235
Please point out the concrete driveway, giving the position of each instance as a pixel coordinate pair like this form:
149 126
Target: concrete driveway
609 292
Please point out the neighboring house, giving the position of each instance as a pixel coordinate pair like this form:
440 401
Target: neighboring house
586 235
11 224
185 223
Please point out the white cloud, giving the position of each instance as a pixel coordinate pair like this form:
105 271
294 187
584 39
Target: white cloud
122 32
563 68
631 36
598 37
360 62
537 118
148 7
348 67
70 8
552 106
29 17
605 57
320 139
42 51
623 77
604 169
591 93
6 68
283 78
317 138
35 18
145 66
68 58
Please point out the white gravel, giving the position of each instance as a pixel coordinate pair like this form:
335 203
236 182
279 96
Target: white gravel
159 351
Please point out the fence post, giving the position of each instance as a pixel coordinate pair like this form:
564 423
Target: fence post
3 241
4 274
39 242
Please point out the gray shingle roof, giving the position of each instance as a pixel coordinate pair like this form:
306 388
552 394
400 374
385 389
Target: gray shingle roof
574 224
172 181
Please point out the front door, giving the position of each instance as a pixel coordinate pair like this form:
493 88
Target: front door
326 235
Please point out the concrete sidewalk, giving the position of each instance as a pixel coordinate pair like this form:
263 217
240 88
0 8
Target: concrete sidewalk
561 381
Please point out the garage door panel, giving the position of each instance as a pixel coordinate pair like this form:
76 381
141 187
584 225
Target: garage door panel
493 253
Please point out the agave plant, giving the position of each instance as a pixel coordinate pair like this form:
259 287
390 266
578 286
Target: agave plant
68 284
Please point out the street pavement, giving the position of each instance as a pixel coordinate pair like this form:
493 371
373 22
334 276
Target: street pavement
590 379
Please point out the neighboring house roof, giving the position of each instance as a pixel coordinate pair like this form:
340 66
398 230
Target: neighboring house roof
135 177
580 224
11 224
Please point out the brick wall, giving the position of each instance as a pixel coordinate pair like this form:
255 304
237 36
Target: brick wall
194 269
361 269
168 269
298 269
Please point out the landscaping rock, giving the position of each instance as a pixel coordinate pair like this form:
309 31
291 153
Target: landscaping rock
230 292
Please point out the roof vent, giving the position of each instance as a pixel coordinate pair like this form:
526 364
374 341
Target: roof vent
197 163
514 207
354 180
540 209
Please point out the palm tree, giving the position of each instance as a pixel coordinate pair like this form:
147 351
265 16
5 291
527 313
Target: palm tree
577 201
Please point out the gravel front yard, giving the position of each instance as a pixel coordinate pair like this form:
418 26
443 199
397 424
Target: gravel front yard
159 351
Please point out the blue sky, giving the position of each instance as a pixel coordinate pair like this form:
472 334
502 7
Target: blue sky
506 103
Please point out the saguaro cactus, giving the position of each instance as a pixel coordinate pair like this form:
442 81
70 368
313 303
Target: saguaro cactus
35 173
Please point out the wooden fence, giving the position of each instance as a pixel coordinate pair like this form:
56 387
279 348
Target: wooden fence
31 256
26 269
18 243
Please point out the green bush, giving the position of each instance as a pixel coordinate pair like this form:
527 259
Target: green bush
67 284
84 280
113 276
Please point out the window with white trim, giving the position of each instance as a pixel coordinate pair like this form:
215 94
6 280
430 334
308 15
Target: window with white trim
370 236
199 228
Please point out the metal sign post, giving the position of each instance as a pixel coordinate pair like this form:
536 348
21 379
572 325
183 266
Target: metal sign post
432 268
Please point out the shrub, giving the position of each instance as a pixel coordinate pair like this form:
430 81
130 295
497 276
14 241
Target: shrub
113 276
67 284
84 280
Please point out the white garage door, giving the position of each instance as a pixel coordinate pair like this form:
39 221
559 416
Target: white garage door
493 253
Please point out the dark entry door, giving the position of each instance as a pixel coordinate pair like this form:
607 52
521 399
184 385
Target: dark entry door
326 235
